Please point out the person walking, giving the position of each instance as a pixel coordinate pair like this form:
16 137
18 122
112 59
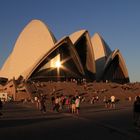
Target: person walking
67 103
106 102
43 104
73 107
37 102
77 104
112 98
56 106
53 102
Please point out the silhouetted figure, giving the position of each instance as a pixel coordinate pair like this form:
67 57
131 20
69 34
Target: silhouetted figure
77 104
106 102
136 111
67 103
53 101
56 107
1 106
43 103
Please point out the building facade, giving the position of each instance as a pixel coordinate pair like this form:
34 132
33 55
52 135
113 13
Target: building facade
38 56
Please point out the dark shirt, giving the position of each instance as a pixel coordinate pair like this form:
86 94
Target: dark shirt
1 105
137 106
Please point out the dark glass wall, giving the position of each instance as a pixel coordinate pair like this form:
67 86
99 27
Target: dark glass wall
68 70
114 72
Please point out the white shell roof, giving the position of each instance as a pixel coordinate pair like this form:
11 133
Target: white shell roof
98 46
36 42
76 35
33 42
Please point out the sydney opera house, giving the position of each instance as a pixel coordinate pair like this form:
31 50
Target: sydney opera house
38 56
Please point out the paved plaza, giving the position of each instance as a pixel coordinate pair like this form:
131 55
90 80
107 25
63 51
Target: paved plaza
24 121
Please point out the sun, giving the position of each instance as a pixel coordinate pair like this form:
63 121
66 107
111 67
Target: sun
58 64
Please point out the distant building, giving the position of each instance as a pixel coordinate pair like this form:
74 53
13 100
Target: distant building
38 56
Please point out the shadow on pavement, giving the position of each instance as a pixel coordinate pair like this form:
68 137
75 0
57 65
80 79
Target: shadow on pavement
21 122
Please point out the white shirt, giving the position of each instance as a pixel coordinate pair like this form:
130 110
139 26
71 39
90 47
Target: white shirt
77 102
112 98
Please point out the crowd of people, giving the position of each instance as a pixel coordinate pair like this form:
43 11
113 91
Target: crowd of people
109 102
59 103
69 103
72 103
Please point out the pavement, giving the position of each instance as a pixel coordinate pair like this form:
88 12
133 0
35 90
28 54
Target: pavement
24 121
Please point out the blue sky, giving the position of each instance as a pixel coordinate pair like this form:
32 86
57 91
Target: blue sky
117 21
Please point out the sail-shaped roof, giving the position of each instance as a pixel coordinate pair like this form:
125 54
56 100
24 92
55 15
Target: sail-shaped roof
33 42
36 48
82 42
122 64
115 68
101 52
63 47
